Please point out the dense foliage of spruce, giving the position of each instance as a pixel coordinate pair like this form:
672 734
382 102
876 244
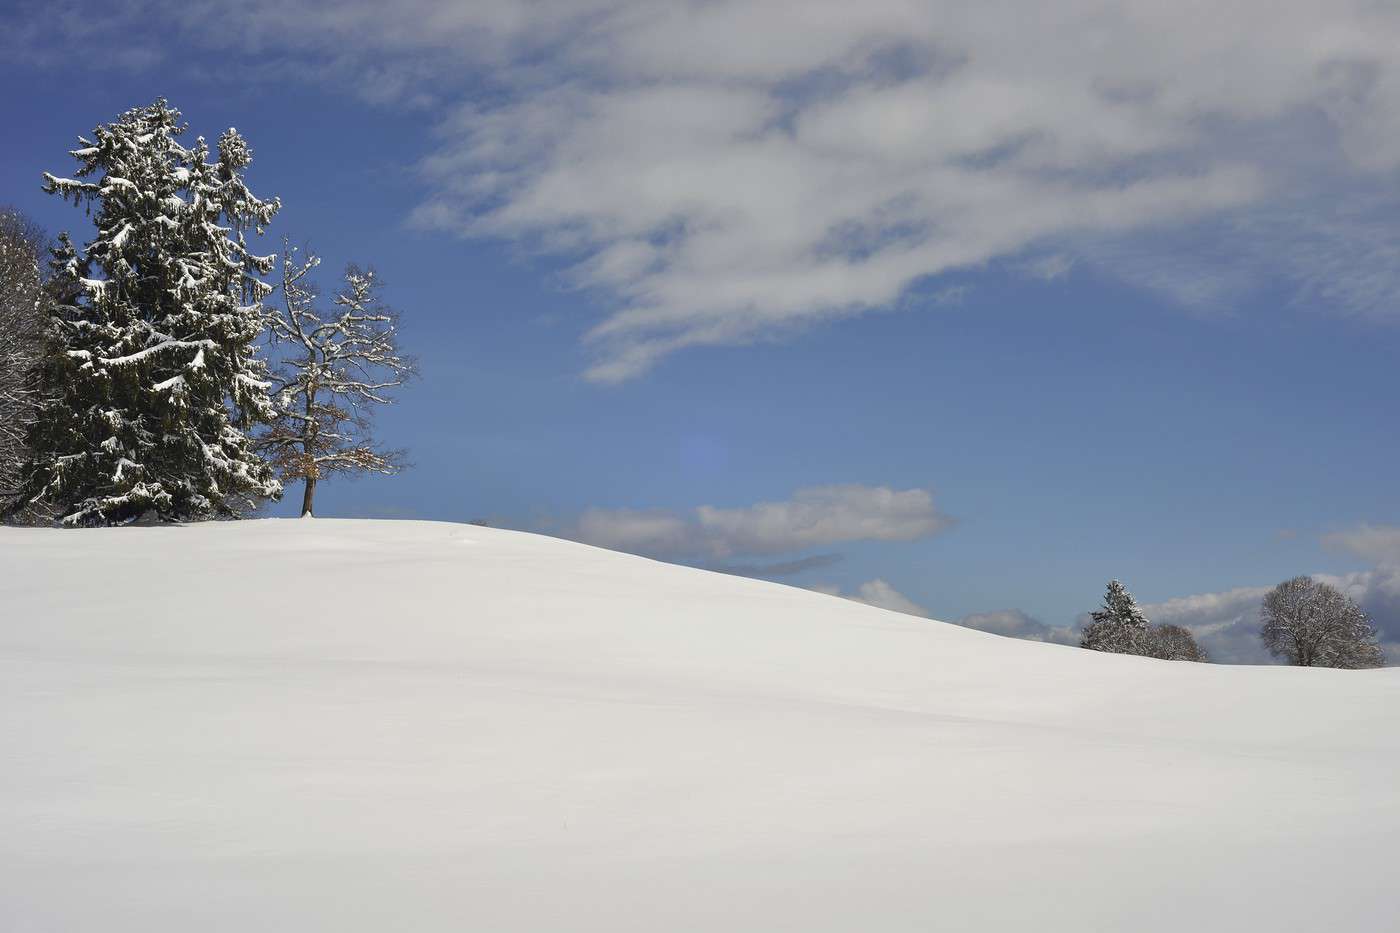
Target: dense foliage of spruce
1120 627
153 362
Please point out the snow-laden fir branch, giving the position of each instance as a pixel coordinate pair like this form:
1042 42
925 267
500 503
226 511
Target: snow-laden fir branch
154 361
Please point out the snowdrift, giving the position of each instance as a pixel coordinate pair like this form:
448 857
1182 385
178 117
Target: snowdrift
370 726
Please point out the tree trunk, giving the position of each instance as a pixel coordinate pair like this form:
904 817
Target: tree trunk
309 430
307 496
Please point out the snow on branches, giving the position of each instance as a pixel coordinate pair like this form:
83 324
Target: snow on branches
338 364
1120 627
1311 624
23 301
155 364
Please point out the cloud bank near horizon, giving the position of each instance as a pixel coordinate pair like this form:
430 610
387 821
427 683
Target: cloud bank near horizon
1225 623
814 517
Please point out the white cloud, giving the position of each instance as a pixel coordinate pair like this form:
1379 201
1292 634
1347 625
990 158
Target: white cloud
880 594
821 515
1379 544
785 568
723 171
1048 268
652 532
816 516
1225 624
1014 623
1378 592
1205 609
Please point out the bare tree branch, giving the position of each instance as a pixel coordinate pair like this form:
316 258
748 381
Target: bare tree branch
1311 624
23 312
341 363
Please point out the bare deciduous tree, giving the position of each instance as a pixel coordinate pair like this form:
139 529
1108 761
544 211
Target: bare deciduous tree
341 363
1174 643
1311 624
22 317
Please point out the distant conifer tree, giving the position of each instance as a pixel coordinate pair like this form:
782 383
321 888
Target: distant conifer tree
1119 627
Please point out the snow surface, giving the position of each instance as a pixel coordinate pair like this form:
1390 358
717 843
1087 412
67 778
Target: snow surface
382 726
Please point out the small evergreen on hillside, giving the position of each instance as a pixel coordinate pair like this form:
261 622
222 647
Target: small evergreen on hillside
1118 627
153 363
1121 628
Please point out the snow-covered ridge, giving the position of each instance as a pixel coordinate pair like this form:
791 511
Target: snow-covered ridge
357 725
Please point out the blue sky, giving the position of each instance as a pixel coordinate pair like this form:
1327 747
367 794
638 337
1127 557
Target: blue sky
949 313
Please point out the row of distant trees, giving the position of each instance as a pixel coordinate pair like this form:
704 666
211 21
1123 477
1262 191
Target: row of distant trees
1304 622
148 373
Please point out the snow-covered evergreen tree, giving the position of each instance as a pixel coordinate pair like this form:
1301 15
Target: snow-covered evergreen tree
1119 627
341 362
23 304
155 365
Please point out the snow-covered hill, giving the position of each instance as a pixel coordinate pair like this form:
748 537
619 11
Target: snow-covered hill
373 726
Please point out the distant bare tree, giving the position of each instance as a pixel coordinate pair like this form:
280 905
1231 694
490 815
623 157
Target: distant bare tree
1311 624
23 314
341 363
1174 643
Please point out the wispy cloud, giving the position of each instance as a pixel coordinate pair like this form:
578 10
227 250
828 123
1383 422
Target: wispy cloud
1377 589
1379 544
786 568
719 172
1012 623
879 593
816 516
1048 268
1016 624
1227 623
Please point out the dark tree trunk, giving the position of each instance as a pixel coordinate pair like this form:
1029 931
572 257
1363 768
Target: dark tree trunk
307 496
309 430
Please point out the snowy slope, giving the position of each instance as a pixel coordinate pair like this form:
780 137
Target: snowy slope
432 727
